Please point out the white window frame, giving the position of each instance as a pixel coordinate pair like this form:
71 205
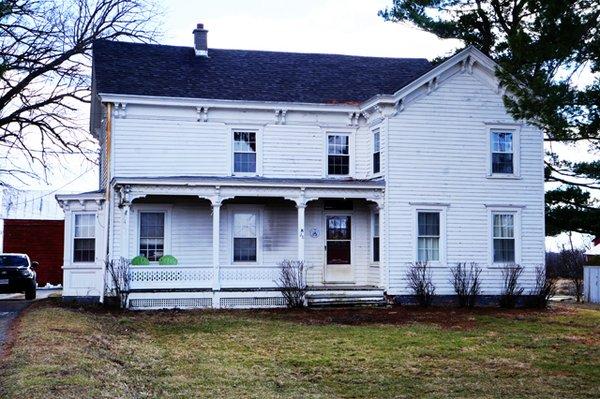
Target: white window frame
515 129
442 210
258 211
351 156
73 222
504 210
231 148
375 217
374 131
141 208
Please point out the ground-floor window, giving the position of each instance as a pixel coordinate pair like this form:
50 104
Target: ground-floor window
245 237
84 241
152 235
376 237
428 241
504 237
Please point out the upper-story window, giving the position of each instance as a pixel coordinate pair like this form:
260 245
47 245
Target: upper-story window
338 154
376 151
244 152
502 153
84 240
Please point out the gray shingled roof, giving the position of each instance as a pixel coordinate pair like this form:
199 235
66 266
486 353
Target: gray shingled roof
157 70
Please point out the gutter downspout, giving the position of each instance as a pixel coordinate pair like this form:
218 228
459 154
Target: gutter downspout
107 202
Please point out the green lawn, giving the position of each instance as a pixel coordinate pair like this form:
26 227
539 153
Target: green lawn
375 353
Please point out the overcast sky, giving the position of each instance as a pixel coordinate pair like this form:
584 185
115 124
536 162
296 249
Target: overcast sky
323 26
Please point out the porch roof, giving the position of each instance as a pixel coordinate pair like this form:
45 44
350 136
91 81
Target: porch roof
217 189
252 181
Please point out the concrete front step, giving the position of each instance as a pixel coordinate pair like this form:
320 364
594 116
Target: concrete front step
346 297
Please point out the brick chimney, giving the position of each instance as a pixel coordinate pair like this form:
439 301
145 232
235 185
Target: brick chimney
201 41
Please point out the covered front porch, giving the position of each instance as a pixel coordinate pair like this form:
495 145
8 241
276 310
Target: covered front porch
229 236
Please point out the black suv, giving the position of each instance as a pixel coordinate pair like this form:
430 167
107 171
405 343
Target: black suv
17 274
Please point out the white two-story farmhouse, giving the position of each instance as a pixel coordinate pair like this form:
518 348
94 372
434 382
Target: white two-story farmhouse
233 160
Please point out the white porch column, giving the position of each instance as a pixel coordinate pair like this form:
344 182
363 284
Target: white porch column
125 231
216 217
301 206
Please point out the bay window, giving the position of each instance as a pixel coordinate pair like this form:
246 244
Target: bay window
84 238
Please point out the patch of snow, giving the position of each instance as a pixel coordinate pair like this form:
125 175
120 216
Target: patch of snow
49 286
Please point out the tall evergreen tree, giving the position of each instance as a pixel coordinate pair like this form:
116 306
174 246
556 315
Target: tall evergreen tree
543 48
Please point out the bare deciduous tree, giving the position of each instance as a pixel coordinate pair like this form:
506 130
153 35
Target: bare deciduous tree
571 262
466 283
45 69
291 283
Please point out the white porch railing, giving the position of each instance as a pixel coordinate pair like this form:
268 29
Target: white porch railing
201 277
171 276
249 276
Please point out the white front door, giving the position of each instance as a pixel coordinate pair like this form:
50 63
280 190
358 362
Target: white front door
338 249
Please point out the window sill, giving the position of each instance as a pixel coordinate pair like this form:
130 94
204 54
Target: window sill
504 177
502 265
374 265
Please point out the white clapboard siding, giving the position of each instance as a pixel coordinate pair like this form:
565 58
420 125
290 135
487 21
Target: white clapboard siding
293 151
438 153
165 147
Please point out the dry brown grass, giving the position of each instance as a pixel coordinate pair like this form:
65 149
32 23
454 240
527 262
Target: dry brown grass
384 353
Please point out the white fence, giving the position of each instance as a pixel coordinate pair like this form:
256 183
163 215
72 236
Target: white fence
591 284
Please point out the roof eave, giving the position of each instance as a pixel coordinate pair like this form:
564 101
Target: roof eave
217 103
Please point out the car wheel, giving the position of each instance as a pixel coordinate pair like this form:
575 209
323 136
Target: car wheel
30 293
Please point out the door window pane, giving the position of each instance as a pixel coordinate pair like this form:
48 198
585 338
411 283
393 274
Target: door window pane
152 235
339 234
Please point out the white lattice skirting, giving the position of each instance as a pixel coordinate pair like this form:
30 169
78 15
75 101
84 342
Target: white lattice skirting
205 299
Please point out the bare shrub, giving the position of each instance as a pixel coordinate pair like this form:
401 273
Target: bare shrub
291 283
545 287
118 278
419 281
466 283
571 262
511 289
